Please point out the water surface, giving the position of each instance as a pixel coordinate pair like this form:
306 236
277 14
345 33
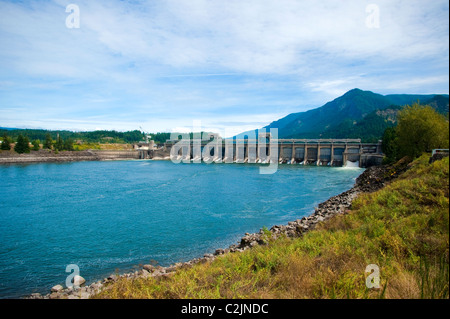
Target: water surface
111 216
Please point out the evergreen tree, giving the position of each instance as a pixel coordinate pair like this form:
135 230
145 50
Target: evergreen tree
6 146
48 141
59 144
68 144
27 144
389 145
22 145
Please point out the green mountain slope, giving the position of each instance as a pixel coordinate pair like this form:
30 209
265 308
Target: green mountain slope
353 105
408 99
356 114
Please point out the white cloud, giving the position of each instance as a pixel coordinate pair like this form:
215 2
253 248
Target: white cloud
185 57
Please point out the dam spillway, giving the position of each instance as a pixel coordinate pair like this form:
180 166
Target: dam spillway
331 152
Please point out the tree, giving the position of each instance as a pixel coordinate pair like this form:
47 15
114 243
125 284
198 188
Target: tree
420 129
36 145
59 144
22 145
48 141
6 145
389 144
68 144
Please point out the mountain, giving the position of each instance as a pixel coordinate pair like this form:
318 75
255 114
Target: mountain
353 105
8 128
440 103
369 129
356 114
408 99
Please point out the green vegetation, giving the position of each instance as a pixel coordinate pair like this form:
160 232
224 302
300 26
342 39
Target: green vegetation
6 143
159 138
22 145
48 141
356 114
62 145
59 144
389 144
403 228
370 128
68 145
79 141
419 129
86 146
88 137
36 145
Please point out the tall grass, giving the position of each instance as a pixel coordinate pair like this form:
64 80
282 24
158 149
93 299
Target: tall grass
434 278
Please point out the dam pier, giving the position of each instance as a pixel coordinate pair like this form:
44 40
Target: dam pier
331 152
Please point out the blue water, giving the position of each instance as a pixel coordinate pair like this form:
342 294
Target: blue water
112 216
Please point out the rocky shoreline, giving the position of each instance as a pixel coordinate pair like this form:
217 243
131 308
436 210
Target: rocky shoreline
46 156
370 180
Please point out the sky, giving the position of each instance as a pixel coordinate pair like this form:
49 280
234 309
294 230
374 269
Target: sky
223 65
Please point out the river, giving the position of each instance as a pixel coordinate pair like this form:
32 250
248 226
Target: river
114 215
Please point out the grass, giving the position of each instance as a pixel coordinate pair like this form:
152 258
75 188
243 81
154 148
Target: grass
87 146
402 228
98 146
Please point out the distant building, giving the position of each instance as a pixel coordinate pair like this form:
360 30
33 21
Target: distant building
144 146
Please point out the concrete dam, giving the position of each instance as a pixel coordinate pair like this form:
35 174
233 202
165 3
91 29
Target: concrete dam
331 152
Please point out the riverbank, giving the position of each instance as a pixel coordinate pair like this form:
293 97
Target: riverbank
49 156
372 179
401 227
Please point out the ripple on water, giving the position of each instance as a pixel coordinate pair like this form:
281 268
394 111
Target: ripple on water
115 215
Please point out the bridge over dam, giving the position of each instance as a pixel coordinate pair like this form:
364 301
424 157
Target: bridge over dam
332 152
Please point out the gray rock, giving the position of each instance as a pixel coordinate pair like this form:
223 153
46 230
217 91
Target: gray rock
144 273
149 268
57 288
85 295
78 281
219 252
113 278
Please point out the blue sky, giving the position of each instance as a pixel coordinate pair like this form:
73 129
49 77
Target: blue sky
233 65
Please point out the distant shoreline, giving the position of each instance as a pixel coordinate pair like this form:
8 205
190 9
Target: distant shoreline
47 156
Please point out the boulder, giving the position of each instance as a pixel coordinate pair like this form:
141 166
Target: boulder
78 280
113 278
85 295
219 252
57 288
149 268
144 273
